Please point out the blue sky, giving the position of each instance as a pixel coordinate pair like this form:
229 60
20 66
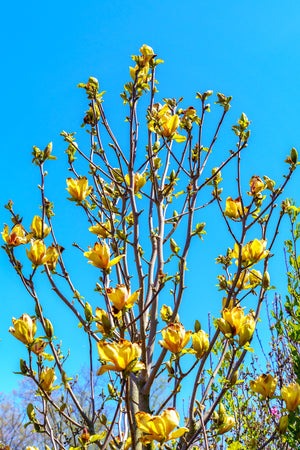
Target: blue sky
249 50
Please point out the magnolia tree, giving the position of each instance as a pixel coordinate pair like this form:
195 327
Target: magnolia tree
143 218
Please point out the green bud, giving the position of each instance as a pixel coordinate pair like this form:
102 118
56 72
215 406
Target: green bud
283 424
172 176
48 328
174 246
197 326
23 366
37 310
30 412
234 377
294 155
266 280
47 151
111 390
88 312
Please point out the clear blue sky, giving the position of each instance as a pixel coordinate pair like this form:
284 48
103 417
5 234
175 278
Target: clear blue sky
249 50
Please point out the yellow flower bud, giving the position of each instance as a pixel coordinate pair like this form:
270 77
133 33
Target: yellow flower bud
147 53
233 208
255 278
78 188
291 396
24 329
159 428
51 258
256 185
102 323
166 313
175 338
38 346
264 385
47 378
101 229
226 425
16 237
138 182
232 320
39 228
200 343
99 256
247 329
37 253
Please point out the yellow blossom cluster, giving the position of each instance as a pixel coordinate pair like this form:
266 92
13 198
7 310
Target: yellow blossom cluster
253 252
38 254
164 123
265 385
235 323
175 339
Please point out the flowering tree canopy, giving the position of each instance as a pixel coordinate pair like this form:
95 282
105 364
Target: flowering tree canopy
138 208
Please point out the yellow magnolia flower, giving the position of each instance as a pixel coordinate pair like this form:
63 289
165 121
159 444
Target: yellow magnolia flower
247 329
51 258
159 428
143 73
241 282
123 356
255 278
24 329
252 252
291 396
78 188
121 298
166 313
101 229
47 378
232 320
175 338
16 237
200 343
247 279
102 323
37 252
38 346
226 425
147 53
256 185
37 226
264 385
164 123
99 256
233 208
142 64
139 181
